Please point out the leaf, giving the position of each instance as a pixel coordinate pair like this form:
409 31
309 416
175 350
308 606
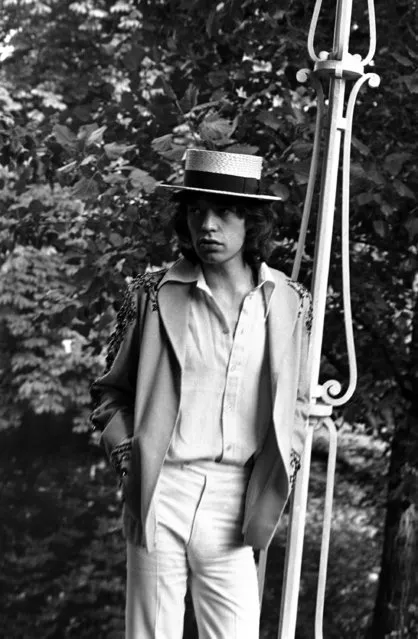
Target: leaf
411 226
380 227
114 150
115 239
301 171
67 168
364 150
127 100
85 130
115 178
175 153
218 78
395 161
36 206
301 148
64 136
215 128
89 159
96 137
142 180
411 82
403 190
104 320
132 58
163 143
269 119
168 90
280 190
406 62
210 23
85 189
246 149
189 100
375 176
364 198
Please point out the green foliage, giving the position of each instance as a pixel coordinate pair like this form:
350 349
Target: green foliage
38 305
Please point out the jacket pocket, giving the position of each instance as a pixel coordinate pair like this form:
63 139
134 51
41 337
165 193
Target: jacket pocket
131 485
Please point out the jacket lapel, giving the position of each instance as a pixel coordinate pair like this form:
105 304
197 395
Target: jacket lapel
173 301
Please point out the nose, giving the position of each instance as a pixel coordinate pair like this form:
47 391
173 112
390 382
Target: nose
209 220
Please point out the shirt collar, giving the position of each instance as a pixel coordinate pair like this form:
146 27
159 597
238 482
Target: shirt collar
182 271
185 272
267 283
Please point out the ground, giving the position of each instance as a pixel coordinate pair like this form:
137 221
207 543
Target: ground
64 560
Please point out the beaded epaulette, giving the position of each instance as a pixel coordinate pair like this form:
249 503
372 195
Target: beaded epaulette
126 314
295 466
304 294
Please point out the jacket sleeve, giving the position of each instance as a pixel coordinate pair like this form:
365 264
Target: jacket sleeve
303 391
114 392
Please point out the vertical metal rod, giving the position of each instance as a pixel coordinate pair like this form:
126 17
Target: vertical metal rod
342 28
294 546
261 574
326 530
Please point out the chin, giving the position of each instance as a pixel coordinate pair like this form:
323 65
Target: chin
211 259
208 257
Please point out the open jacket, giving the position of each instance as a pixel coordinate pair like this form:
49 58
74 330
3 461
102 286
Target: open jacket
138 397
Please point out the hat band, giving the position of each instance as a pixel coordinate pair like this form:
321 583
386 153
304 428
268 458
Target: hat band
221 182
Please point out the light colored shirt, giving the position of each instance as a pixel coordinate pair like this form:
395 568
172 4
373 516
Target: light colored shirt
225 404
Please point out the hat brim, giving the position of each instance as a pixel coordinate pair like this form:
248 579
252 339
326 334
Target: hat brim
250 196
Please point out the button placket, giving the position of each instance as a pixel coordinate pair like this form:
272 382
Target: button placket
234 373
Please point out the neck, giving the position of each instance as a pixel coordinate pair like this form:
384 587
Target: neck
234 276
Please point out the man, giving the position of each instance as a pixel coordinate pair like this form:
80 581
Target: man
204 406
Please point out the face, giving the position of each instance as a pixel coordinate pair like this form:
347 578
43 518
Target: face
217 231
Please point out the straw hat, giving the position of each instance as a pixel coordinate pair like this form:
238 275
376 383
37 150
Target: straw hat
222 173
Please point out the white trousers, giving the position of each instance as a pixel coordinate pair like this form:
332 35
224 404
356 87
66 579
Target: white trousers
199 511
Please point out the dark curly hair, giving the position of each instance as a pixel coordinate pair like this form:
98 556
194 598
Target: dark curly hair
259 223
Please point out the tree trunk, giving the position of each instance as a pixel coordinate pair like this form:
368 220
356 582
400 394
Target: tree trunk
396 609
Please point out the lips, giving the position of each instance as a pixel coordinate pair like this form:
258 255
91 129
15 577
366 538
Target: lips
205 241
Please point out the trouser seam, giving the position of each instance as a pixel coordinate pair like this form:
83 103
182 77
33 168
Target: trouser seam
196 511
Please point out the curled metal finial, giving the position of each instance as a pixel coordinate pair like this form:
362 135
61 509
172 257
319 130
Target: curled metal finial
312 31
331 389
342 53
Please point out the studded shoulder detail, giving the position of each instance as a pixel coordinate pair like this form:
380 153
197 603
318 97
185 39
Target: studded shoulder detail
304 294
295 466
126 314
149 282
